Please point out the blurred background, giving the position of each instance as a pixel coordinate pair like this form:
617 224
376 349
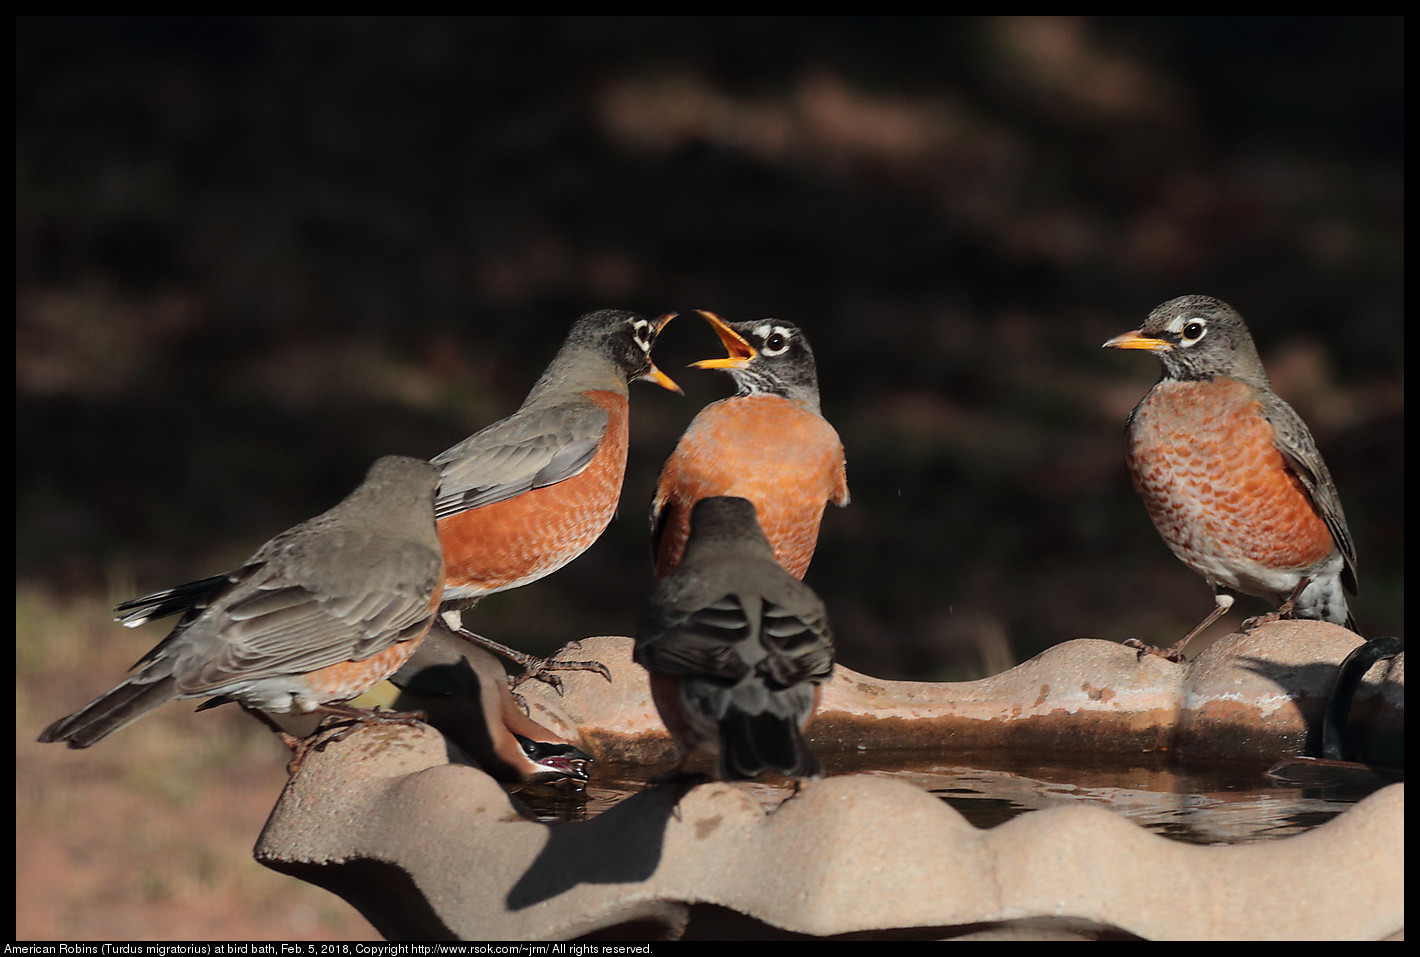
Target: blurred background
253 255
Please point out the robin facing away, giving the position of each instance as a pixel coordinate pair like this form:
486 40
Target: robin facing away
1230 474
768 443
321 613
531 492
463 691
736 647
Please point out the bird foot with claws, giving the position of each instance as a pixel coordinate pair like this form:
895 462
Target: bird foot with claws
1168 654
1250 625
1283 612
541 669
533 666
342 722
353 718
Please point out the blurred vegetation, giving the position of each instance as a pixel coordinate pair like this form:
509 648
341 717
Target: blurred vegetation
254 254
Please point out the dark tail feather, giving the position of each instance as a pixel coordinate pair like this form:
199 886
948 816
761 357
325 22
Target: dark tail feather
169 601
100 718
751 744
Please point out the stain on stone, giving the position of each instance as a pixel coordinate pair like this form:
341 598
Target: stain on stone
1096 694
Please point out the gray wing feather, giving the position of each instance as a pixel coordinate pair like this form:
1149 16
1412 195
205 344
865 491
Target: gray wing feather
530 449
264 625
1294 440
734 636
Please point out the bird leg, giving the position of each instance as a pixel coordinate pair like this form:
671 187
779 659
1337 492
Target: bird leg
540 668
533 666
351 718
284 736
345 714
1282 612
357 717
1175 651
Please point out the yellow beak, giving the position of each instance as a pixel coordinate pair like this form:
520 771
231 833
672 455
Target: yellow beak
1137 340
654 374
740 352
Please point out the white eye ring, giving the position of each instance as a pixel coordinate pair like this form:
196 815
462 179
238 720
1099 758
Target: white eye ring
641 330
775 338
1191 330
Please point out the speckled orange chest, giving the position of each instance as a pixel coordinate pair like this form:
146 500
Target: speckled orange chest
1203 458
519 540
784 458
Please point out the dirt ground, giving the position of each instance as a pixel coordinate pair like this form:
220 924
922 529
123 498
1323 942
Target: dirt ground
149 834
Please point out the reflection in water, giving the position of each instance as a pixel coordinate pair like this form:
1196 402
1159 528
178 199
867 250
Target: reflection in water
1221 804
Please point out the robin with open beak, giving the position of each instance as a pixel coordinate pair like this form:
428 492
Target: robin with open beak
529 493
768 443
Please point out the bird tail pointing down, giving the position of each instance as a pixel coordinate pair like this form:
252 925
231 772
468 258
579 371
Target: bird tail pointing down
751 744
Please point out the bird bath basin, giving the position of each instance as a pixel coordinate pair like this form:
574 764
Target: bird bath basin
1065 797
1212 804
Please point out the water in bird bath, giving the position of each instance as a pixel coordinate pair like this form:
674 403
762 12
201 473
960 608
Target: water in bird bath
1205 804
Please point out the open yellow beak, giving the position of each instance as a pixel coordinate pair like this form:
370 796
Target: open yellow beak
740 352
654 374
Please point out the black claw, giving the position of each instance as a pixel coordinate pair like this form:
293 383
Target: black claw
540 674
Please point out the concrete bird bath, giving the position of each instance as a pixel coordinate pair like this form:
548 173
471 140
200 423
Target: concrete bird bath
427 848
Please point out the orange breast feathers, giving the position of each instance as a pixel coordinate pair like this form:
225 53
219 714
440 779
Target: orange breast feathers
521 539
349 679
1208 471
784 458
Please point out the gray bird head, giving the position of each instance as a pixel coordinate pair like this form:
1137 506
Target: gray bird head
398 489
726 521
766 357
607 344
1197 337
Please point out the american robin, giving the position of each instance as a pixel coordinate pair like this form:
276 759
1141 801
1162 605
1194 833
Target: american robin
463 692
531 492
1230 474
460 689
317 616
736 647
768 443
